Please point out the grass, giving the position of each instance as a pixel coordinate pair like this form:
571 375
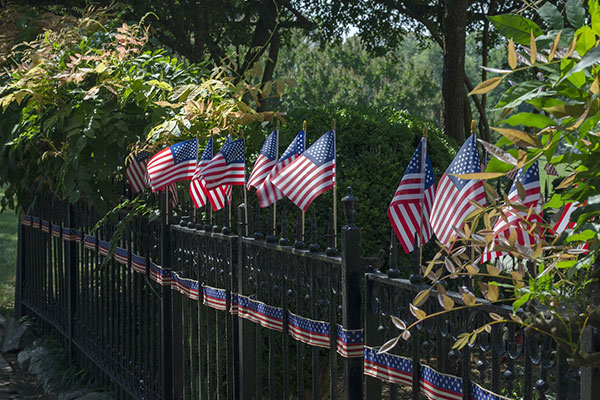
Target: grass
8 260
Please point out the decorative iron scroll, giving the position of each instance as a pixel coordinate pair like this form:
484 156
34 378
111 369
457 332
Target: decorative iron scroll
433 384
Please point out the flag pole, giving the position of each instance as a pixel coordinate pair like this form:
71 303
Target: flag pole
304 125
244 190
473 248
277 126
422 202
334 186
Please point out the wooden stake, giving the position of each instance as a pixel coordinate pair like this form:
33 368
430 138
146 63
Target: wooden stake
275 204
302 236
422 202
334 187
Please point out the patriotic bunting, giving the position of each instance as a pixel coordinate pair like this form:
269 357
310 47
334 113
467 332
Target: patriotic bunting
311 174
454 195
173 164
260 313
267 192
314 333
413 199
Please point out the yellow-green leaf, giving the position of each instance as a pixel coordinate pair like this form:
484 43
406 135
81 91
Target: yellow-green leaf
519 137
421 297
512 54
532 49
554 47
493 292
418 313
447 302
492 270
480 175
486 86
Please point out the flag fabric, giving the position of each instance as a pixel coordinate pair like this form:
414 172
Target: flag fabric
173 196
227 167
267 159
198 191
267 192
173 164
550 169
564 221
517 220
137 173
416 190
311 174
311 332
453 196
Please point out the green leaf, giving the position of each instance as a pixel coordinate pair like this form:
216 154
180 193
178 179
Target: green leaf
575 13
551 15
516 27
521 300
591 58
581 237
524 91
529 119
586 39
495 165
594 10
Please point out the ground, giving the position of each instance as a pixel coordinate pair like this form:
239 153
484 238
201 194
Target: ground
18 384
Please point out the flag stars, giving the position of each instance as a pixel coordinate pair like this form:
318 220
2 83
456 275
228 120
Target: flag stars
207 154
184 151
233 152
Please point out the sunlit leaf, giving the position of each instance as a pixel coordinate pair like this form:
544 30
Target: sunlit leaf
512 54
486 86
389 345
398 323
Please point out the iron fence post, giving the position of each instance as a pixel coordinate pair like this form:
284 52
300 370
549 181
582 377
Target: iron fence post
590 377
352 274
71 272
19 273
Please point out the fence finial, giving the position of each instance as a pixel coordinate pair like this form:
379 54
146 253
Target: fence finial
393 271
350 207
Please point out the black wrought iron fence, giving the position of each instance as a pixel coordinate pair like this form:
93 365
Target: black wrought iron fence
204 306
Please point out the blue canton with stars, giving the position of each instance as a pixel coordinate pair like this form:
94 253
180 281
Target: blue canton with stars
233 151
141 156
297 146
323 150
350 337
531 175
207 154
465 162
447 382
184 151
269 147
307 325
414 167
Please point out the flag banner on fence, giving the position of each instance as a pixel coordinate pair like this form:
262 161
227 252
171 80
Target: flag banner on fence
26 221
187 287
260 313
45 226
311 174
519 221
214 298
413 199
267 192
173 164
350 342
267 159
314 333
233 304
198 191
160 275
137 173
227 167
55 231
454 196
35 222
70 235
438 386
121 255
138 263
550 169
387 367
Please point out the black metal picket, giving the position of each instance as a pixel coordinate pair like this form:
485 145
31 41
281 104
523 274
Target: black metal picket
236 325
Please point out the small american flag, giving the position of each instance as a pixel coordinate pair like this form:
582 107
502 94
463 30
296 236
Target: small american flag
454 195
260 313
311 174
314 333
136 172
267 192
198 191
564 221
267 159
349 342
227 167
173 164
388 367
438 386
416 190
550 169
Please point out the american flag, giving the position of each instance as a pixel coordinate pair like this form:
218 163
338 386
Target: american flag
227 167
314 333
387 367
550 169
564 222
453 195
438 386
267 192
416 190
215 298
311 174
517 220
136 172
260 313
173 164
267 159
349 342
198 191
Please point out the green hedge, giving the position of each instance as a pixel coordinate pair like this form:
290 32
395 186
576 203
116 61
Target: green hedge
373 151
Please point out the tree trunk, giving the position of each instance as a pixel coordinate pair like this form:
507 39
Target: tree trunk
270 66
453 74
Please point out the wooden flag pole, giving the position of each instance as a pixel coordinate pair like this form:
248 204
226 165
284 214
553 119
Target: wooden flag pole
304 125
473 228
278 125
334 186
245 195
422 202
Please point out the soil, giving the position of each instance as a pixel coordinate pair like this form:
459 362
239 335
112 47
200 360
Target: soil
18 384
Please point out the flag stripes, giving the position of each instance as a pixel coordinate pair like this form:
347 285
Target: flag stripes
173 164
